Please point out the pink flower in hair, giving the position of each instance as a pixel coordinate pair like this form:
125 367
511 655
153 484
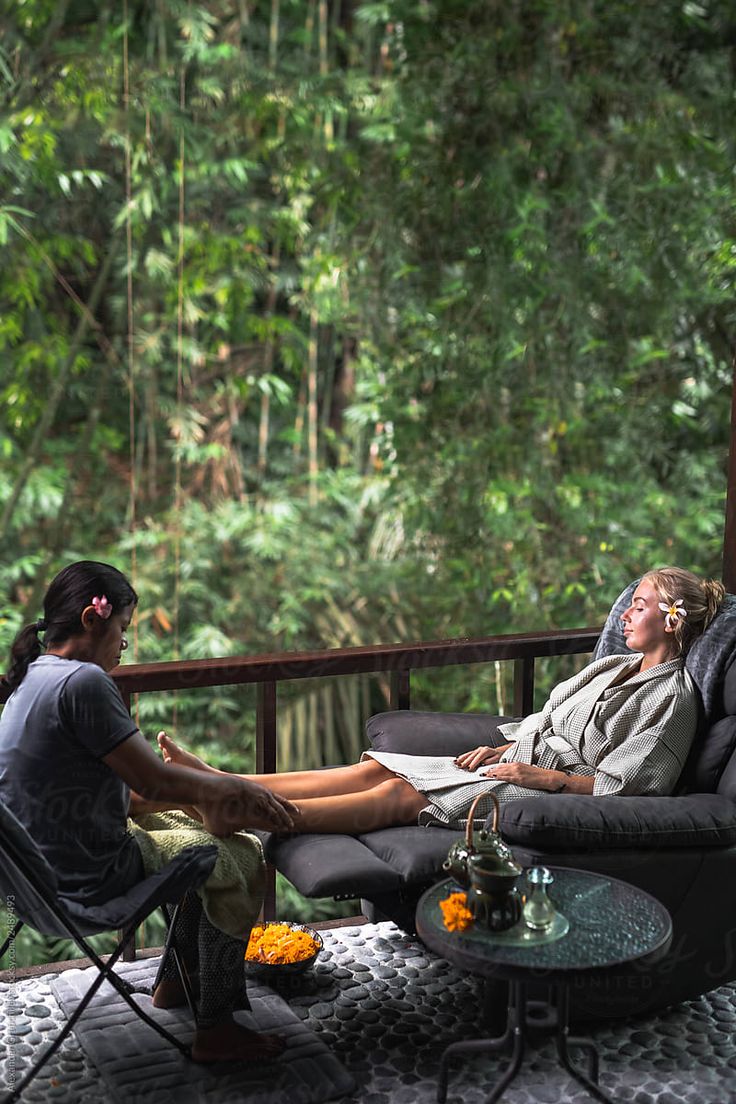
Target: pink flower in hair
103 608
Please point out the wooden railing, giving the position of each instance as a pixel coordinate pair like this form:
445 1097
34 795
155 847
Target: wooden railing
266 671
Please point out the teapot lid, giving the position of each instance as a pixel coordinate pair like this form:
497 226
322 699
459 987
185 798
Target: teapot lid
495 860
489 842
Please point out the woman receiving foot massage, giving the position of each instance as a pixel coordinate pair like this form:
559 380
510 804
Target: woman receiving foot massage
623 725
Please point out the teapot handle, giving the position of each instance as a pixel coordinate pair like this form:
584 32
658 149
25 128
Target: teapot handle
495 814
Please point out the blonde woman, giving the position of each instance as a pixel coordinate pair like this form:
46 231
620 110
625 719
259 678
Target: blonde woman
622 726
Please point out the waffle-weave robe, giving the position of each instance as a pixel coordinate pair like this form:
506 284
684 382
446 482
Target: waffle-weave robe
632 736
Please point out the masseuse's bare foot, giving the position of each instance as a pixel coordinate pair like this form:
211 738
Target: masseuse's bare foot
231 1042
172 753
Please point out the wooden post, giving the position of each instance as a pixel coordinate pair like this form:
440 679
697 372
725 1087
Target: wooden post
400 693
266 764
523 686
729 535
266 728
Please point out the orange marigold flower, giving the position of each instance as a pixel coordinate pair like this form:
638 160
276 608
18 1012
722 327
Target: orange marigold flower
278 944
455 914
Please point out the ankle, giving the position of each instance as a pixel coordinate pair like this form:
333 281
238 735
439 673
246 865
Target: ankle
215 1028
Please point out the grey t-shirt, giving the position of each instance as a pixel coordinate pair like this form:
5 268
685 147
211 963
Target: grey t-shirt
54 730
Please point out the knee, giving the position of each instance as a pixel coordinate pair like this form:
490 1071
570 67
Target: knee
401 800
374 772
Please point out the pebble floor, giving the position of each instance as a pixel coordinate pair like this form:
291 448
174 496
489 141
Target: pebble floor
387 1007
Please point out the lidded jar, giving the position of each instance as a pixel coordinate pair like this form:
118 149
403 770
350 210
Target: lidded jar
539 912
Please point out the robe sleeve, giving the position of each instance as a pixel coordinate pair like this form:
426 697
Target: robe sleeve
650 760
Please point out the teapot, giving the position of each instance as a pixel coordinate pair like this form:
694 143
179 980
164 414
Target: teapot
487 846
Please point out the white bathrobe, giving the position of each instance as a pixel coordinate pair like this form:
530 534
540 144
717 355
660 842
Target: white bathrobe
633 737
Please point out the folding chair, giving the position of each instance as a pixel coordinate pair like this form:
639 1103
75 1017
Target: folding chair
29 884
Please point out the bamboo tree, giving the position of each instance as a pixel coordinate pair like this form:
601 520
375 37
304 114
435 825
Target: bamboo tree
273 35
58 389
309 30
268 359
312 408
300 412
324 63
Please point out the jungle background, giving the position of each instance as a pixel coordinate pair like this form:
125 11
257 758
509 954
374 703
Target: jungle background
339 323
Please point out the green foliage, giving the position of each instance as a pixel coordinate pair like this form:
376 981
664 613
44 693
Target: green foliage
30 948
441 345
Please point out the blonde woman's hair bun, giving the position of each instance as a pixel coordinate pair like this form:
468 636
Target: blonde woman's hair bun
701 599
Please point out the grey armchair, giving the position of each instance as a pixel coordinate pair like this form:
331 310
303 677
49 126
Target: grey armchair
682 849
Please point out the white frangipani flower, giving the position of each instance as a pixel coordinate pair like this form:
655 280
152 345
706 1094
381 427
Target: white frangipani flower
673 613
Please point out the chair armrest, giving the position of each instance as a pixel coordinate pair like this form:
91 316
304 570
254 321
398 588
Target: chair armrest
571 822
411 732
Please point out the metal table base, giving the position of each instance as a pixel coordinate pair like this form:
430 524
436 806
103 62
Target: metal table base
515 1037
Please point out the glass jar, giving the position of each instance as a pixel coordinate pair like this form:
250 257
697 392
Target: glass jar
539 912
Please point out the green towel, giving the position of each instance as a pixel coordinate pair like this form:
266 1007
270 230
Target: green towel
233 893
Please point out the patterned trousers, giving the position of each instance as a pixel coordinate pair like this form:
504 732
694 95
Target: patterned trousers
215 956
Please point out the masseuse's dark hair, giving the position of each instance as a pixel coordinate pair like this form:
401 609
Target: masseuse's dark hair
67 597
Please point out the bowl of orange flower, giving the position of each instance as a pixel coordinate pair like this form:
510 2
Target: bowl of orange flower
280 949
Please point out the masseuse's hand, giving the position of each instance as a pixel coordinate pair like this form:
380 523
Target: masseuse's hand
247 805
471 760
523 774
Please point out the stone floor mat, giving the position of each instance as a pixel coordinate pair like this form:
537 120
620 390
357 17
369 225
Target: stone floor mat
139 1067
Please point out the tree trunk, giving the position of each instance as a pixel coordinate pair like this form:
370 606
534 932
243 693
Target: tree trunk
273 35
57 391
312 437
268 356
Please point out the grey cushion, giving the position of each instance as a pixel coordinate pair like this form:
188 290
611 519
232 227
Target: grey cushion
728 689
727 781
322 865
416 853
411 732
562 822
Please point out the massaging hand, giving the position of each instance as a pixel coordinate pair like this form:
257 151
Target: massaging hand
523 774
245 805
471 760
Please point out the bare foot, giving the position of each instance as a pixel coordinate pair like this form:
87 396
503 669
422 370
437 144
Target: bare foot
232 1042
254 807
172 753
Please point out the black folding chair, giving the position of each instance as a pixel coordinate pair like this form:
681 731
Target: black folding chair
30 887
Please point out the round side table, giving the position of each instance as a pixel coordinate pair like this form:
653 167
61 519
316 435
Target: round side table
612 924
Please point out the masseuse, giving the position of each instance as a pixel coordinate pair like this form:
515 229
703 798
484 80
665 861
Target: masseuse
73 765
